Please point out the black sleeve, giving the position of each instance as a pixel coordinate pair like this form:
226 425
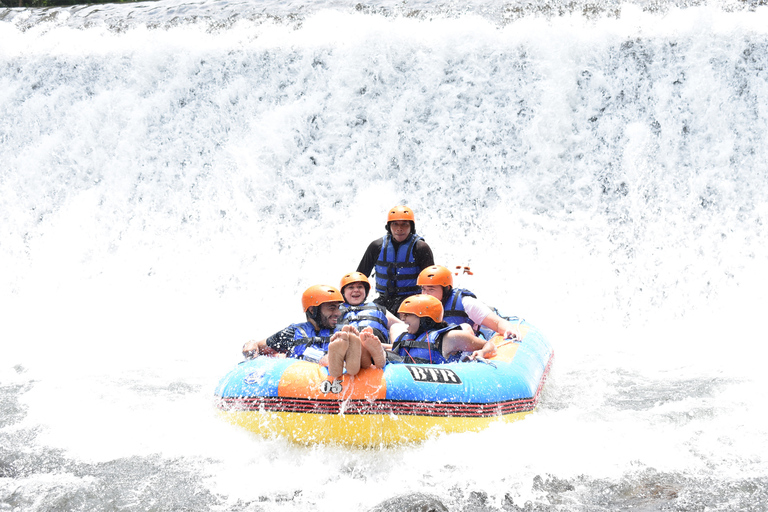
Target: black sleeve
281 341
422 253
371 255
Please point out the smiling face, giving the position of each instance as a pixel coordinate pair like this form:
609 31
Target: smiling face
354 293
400 229
329 314
412 321
434 290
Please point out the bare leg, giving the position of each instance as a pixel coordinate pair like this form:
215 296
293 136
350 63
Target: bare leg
373 352
352 358
337 350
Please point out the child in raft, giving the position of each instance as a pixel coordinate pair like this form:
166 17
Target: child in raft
427 339
355 311
366 325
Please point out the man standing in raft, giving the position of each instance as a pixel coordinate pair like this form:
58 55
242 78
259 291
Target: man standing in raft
428 339
460 306
398 257
314 340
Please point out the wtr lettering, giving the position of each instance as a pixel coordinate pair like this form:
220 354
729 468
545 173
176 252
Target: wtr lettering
439 375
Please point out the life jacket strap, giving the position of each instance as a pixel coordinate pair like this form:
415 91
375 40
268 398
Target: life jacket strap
309 340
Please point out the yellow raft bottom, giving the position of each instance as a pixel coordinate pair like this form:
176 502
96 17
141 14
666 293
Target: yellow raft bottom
364 430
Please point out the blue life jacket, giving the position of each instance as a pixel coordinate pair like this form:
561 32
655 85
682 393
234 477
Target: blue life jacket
365 315
396 272
305 335
426 348
454 313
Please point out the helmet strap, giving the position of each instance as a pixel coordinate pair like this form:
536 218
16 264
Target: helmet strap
313 313
422 325
413 227
426 324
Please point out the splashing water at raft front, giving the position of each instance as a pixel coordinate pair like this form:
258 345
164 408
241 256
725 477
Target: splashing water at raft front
174 175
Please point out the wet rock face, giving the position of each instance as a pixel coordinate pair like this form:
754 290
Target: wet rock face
417 502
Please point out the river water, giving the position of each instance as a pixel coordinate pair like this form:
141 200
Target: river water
173 175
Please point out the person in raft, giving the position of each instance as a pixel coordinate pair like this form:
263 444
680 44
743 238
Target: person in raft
460 306
397 257
315 339
366 317
430 340
355 311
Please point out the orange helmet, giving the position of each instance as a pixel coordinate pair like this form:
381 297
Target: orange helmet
421 306
435 275
355 277
320 294
400 213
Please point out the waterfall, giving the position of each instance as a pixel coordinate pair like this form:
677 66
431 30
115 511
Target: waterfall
173 175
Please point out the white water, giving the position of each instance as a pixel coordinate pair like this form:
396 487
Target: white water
168 188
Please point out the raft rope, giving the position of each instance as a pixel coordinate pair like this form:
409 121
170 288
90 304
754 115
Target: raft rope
413 359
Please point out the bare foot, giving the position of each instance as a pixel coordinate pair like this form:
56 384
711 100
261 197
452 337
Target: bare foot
337 350
351 329
372 346
354 348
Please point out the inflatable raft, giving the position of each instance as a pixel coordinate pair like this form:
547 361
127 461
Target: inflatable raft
402 403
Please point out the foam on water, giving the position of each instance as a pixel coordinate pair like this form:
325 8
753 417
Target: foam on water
167 190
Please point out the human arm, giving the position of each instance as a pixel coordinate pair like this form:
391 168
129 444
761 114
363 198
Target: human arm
370 256
459 340
501 326
422 253
393 323
277 343
254 348
392 319
395 331
480 314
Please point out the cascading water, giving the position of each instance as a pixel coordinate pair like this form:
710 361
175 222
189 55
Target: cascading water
172 176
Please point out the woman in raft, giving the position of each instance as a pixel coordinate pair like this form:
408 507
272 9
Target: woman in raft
427 339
